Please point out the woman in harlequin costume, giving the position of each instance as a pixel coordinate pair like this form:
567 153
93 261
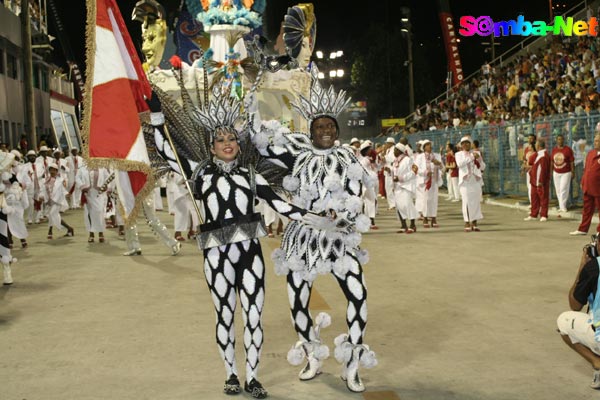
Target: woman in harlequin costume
221 166
323 178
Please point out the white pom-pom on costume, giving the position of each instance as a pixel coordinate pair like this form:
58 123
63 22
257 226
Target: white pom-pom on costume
323 267
281 269
278 257
309 275
362 223
335 203
352 239
6 176
295 263
260 140
296 354
319 205
333 182
354 204
355 172
342 265
343 349
6 259
340 339
321 352
323 320
2 187
290 183
279 139
271 125
362 256
368 359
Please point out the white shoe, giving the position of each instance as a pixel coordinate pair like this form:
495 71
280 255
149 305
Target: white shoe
175 248
543 219
529 218
595 380
350 373
577 233
312 368
8 280
133 252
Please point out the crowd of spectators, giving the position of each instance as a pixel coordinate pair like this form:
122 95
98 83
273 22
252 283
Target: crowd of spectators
562 78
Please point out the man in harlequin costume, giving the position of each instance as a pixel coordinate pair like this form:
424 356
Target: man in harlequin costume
323 178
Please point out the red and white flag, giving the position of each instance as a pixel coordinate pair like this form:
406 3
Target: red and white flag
116 88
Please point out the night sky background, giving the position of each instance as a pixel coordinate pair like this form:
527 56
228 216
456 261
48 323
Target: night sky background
342 24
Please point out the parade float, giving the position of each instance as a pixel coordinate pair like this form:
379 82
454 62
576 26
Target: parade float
235 55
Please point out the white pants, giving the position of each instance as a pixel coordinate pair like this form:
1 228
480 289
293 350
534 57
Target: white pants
528 186
370 202
184 212
470 192
405 207
158 202
430 201
389 190
450 188
420 198
76 197
578 326
455 190
562 184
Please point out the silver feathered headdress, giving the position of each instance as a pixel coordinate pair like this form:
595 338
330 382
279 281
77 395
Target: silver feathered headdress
321 102
222 111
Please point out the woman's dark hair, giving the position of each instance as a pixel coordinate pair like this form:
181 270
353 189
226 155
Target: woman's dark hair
365 151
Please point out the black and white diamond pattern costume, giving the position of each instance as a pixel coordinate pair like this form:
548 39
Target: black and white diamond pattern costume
237 267
322 180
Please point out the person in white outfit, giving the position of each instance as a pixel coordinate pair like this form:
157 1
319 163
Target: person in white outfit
420 190
55 200
33 188
470 167
93 184
369 195
17 202
74 162
41 166
171 188
452 174
184 211
429 179
404 178
388 159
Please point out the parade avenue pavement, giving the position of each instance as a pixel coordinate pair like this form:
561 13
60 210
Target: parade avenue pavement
452 315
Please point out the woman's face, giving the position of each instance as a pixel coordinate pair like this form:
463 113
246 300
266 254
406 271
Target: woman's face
53 172
225 146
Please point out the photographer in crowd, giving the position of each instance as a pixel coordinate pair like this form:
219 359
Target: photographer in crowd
579 330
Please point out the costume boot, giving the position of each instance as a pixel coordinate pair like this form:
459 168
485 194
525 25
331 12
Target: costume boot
351 356
132 240
8 280
161 230
314 351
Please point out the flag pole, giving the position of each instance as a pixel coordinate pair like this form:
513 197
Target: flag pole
187 183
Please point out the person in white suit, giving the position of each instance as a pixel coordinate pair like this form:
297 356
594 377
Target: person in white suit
429 179
404 179
470 180
55 200
93 184
74 163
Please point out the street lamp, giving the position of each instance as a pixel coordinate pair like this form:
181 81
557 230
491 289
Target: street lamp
406 28
340 73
